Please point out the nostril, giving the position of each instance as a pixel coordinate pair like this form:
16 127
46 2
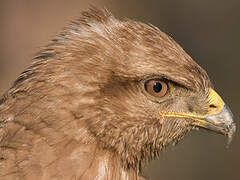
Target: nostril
212 106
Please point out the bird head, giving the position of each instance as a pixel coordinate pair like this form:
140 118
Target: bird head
135 88
151 93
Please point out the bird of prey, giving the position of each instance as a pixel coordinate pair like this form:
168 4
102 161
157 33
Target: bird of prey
102 99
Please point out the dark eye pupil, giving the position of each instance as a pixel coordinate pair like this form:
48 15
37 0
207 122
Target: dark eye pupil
157 87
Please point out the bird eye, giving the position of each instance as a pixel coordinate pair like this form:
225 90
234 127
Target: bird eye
156 87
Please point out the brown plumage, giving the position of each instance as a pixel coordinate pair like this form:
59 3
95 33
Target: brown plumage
89 105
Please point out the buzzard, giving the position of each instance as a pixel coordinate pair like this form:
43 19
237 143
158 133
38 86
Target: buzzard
103 98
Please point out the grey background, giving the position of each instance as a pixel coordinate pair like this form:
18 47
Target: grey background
207 30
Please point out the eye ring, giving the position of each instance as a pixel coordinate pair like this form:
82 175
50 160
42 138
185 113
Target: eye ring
156 87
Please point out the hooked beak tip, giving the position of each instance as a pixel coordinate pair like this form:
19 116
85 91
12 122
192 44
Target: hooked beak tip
222 122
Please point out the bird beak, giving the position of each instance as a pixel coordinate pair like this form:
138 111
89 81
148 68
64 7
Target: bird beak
221 122
219 117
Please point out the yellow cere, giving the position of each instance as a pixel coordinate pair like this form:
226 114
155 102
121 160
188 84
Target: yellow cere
215 102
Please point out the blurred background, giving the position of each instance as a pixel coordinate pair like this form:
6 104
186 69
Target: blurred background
208 30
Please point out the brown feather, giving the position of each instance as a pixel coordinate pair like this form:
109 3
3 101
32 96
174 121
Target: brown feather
79 112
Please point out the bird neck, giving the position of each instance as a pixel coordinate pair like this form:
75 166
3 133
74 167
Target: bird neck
53 123
105 165
56 153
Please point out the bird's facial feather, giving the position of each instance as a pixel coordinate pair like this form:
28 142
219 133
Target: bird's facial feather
91 82
106 63
132 124
137 124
